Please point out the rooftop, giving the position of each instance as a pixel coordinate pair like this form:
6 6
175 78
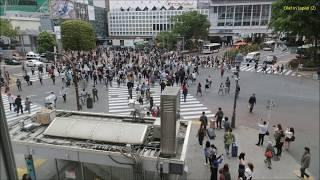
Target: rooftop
84 137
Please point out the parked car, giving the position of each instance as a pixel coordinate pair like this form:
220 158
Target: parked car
252 57
33 63
271 59
12 62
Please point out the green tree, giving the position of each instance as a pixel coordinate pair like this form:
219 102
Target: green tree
77 35
167 40
46 42
286 18
191 25
6 29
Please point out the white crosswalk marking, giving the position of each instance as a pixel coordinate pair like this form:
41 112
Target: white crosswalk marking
12 116
35 77
286 72
118 103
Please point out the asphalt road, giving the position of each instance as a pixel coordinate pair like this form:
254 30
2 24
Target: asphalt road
296 104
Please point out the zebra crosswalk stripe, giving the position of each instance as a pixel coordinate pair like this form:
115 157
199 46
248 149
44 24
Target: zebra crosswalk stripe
35 77
12 116
286 72
118 103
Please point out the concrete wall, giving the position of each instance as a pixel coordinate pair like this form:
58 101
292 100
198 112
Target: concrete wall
25 23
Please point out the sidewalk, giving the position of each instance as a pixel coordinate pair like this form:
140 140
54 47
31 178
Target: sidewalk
246 139
309 74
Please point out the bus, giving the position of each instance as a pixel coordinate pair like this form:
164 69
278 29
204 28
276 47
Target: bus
211 48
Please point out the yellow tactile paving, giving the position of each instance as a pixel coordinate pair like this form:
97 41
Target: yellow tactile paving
37 164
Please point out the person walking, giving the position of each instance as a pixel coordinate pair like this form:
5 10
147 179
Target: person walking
227 86
162 85
95 93
207 85
219 116
263 129
204 120
208 152
11 101
32 70
289 137
63 93
252 102
151 102
305 162
215 162
40 78
279 138
27 78
18 83
53 77
199 90
18 103
228 140
221 175
242 166
226 124
269 153
226 172
249 171
221 89
184 92
201 133
27 105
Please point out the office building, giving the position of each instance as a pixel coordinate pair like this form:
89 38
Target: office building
127 25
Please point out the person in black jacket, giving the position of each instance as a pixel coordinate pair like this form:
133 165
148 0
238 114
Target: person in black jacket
18 104
252 102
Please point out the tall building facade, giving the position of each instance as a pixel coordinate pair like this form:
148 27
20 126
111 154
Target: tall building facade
131 20
144 24
230 19
239 18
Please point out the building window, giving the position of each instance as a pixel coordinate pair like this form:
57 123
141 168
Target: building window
215 9
238 16
229 16
255 15
265 15
221 15
246 15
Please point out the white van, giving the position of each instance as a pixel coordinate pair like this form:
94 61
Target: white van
253 56
32 55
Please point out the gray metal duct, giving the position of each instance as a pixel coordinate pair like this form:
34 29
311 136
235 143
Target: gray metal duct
169 113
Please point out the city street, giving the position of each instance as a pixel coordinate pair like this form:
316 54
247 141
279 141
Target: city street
296 103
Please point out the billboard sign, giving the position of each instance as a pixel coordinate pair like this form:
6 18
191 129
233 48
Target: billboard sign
62 9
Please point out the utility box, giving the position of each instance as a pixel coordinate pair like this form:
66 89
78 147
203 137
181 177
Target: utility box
169 114
45 116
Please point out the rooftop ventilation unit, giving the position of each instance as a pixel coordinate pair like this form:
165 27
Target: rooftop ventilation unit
170 110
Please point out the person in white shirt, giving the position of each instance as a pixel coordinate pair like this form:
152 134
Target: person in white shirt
11 101
289 136
263 129
249 171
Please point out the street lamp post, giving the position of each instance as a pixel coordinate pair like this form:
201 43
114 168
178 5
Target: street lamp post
7 161
233 119
75 78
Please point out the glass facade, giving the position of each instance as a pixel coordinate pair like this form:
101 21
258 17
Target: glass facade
265 15
242 15
142 23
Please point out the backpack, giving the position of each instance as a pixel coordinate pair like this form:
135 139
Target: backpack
228 138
